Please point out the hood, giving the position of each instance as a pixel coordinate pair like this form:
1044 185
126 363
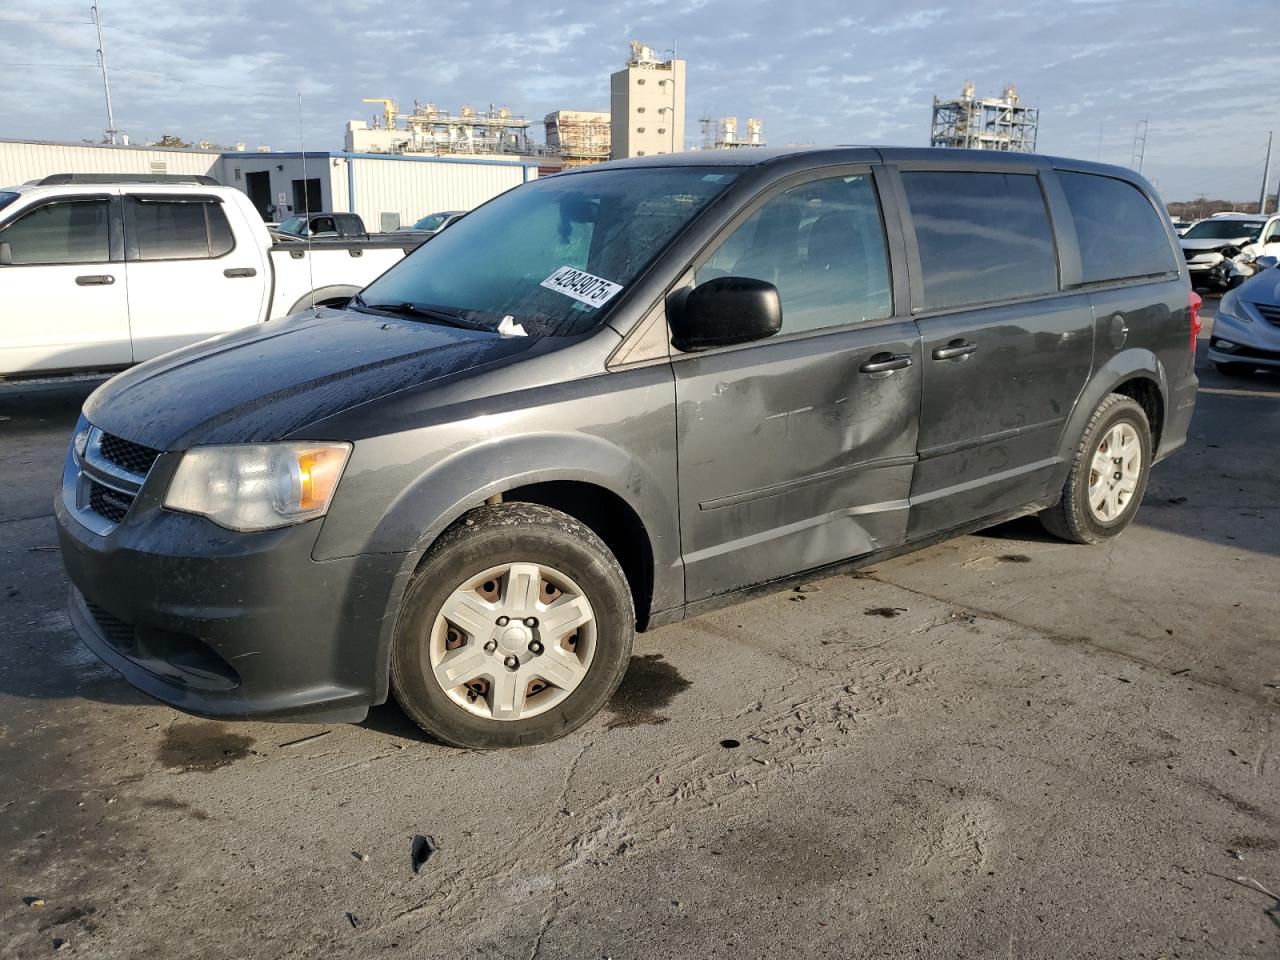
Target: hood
265 382
1263 287
1216 243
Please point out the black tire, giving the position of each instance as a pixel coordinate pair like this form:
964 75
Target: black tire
485 537
1071 519
1234 369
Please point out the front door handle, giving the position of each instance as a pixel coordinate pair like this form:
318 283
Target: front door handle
886 363
95 280
240 272
955 350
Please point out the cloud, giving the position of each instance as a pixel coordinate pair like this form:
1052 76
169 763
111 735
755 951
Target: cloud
822 71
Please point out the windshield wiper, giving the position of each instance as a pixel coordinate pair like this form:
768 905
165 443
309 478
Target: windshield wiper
414 310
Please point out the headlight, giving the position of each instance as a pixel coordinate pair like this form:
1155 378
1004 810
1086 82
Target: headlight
81 439
1228 309
258 486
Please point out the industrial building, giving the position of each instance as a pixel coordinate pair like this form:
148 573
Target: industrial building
722 134
580 137
647 105
23 160
984 123
433 131
388 191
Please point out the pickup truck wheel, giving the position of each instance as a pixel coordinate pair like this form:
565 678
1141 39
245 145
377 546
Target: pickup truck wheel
1108 474
516 629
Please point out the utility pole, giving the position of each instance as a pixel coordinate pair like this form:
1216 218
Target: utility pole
106 85
1266 176
1139 145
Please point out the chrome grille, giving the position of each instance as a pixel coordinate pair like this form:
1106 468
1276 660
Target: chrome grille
127 455
109 503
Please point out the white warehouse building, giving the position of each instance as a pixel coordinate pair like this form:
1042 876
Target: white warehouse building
388 191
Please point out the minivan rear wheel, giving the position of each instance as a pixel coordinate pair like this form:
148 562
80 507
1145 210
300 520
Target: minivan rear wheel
516 629
1108 474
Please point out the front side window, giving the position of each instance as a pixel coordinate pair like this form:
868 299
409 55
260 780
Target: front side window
1120 233
65 231
433 221
179 230
553 253
983 237
822 245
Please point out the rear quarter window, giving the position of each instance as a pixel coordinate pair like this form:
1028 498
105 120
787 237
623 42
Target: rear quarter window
983 237
1120 233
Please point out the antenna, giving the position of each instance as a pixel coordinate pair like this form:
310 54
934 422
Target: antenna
106 85
1138 154
306 201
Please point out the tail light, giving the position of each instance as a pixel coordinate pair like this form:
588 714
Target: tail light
1194 301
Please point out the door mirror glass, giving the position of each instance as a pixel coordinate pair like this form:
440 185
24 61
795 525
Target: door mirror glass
723 312
6 254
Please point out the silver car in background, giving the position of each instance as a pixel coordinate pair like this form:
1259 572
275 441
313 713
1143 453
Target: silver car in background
1246 332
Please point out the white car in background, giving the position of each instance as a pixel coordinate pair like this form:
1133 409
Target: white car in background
1220 250
100 272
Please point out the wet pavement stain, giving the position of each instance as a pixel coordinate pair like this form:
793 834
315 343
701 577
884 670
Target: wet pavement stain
201 747
885 612
650 684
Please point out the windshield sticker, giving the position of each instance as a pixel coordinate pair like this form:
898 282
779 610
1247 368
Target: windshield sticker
582 286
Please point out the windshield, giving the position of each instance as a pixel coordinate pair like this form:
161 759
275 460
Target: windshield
431 221
295 225
1223 230
553 253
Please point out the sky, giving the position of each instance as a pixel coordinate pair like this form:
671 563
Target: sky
814 71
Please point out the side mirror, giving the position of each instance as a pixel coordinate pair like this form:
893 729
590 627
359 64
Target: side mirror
723 312
6 254
1262 263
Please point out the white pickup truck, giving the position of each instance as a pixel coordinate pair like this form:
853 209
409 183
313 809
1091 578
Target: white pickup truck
99 272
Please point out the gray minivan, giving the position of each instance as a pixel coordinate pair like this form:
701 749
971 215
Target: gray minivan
614 398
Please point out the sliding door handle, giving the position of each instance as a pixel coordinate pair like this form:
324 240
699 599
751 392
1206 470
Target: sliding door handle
886 363
95 280
955 350
240 272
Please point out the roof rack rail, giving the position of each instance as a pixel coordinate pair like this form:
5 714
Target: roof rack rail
64 179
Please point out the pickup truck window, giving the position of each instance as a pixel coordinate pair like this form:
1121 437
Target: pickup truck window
179 230
822 245
982 237
64 231
552 253
7 197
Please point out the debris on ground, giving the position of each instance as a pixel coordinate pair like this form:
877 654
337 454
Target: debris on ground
307 739
362 857
59 943
353 920
34 902
421 850
885 612
1236 854
1177 500
730 744
808 588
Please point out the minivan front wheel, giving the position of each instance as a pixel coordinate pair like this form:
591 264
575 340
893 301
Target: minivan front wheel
516 629
1108 474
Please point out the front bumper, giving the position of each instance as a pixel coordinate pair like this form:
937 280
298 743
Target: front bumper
225 624
1255 341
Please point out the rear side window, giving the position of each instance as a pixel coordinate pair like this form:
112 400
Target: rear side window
179 230
70 231
982 237
1120 233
